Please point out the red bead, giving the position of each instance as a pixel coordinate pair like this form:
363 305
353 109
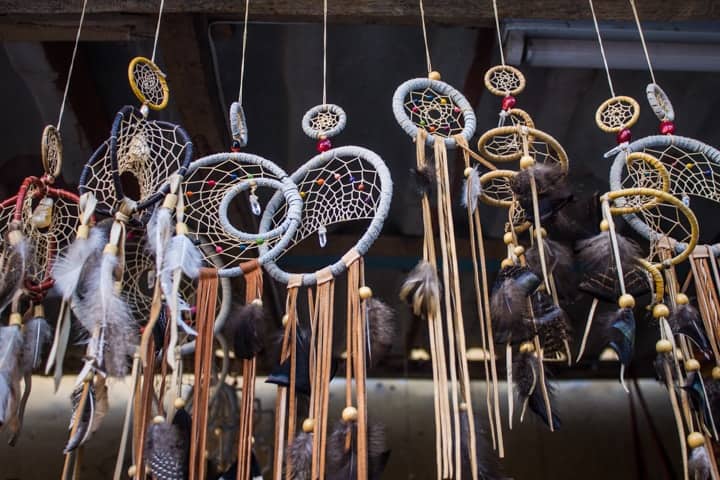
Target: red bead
508 102
361 186
193 309
211 183
667 127
235 149
624 135
218 249
324 145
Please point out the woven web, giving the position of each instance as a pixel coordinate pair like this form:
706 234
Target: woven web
205 188
509 146
617 114
496 191
52 151
434 112
505 80
324 121
149 150
343 189
641 174
147 79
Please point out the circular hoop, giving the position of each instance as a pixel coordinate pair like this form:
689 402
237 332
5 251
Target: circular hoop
495 191
238 125
519 117
504 80
371 203
148 83
660 103
662 173
51 150
324 121
617 113
431 105
504 144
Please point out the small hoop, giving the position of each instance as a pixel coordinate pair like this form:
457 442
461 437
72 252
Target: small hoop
496 199
617 113
513 149
51 150
662 172
324 121
238 125
148 83
660 103
504 80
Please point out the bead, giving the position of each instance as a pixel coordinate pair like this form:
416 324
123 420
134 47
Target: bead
218 249
519 250
626 301
689 165
211 183
361 186
443 101
624 136
233 176
660 311
324 145
431 129
320 181
526 161
462 406
235 146
257 302
130 236
132 470
308 425
508 238
259 241
695 439
415 108
468 171
351 179
188 194
663 346
681 299
365 293
527 347
604 226
692 365
144 111
218 431
179 403
193 309
434 75
349 414
158 419
285 320
667 127
456 109
716 373
337 176
508 102
506 263
303 194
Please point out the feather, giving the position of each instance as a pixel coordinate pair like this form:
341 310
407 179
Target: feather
699 464
488 466
242 327
182 254
552 190
298 459
560 263
381 327
596 255
421 290
159 233
685 320
101 404
223 418
578 220
84 419
619 335
508 302
712 389
11 342
661 360
471 190
280 375
526 373
553 325
423 179
696 391
342 454
166 452
159 329
36 336
13 263
67 270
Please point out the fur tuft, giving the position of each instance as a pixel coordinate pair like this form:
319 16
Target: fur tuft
553 325
298 459
508 303
421 290
166 451
526 373
36 336
243 329
342 455
699 464
382 328
423 179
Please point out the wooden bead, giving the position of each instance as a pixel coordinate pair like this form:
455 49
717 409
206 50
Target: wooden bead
218 431
462 406
468 171
692 365
526 161
663 346
543 232
604 226
158 419
349 414
695 439
626 301
15 319
716 373
660 311
285 319
682 299
365 293
508 238
434 75
527 347
519 250
257 302
132 470
506 263
308 425
179 403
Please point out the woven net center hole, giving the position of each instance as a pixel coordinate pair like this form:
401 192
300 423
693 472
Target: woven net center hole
130 185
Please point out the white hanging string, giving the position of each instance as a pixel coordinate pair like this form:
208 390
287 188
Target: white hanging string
244 45
642 40
324 52
72 64
602 49
157 30
499 34
425 37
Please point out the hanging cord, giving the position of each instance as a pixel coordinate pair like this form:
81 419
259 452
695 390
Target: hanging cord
72 64
602 49
499 34
157 30
244 45
325 52
427 46
642 40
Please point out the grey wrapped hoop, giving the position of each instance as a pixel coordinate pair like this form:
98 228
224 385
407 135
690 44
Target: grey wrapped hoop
238 125
659 102
404 90
371 234
328 108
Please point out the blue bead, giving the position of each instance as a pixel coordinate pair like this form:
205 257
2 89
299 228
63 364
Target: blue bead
233 176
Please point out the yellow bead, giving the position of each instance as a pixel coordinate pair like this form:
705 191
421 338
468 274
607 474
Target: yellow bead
527 347
689 165
660 311
468 171
695 439
526 161
285 320
218 431
543 232
716 373
365 293
692 365
443 101
434 75
626 301
158 419
682 299
179 403
257 302
308 425
132 470
519 250
349 414
663 346
508 238
506 263
604 226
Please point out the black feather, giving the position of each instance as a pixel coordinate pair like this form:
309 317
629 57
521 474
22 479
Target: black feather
606 287
696 392
559 261
685 320
84 418
552 190
553 325
243 328
159 329
661 360
509 303
36 336
342 455
487 461
596 256
619 333
298 459
712 389
165 450
526 373
578 220
423 179
381 327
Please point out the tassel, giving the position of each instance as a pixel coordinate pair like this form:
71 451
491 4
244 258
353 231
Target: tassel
509 297
342 454
552 189
699 464
11 344
242 327
472 188
166 451
685 320
423 179
526 373
381 327
421 290
488 466
619 334
299 457
81 422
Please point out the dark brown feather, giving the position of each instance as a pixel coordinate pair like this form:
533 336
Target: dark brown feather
298 459
382 328
243 329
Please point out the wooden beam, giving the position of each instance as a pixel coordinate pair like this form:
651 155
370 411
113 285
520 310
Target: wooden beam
59 28
458 12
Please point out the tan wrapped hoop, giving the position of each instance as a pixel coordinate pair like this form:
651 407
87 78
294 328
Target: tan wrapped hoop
51 150
504 80
520 117
617 113
533 135
153 91
656 165
656 277
496 201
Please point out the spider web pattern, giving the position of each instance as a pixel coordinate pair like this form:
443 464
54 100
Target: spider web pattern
149 150
147 79
204 189
505 80
52 151
324 121
667 221
343 189
508 147
434 112
617 114
641 174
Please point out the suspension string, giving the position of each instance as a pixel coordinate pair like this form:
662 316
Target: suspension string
602 49
72 64
427 46
157 30
642 40
244 45
499 34
325 9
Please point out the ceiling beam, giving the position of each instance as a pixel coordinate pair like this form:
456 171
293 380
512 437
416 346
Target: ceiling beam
63 28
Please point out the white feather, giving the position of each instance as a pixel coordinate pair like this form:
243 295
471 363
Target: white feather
10 349
67 269
472 182
159 233
181 254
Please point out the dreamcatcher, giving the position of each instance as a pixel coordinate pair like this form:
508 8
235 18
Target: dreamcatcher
338 186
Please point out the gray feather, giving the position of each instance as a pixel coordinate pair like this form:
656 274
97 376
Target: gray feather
10 349
13 263
381 326
165 451
699 464
472 183
36 336
84 419
421 290
299 457
159 233
68 268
